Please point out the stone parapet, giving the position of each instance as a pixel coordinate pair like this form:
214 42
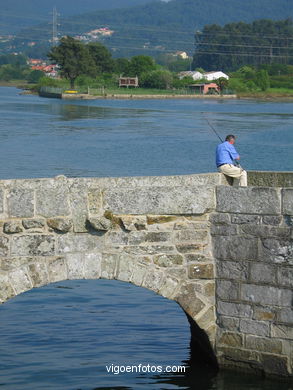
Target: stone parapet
253 249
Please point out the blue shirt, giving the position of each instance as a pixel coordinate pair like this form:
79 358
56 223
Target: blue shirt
225 154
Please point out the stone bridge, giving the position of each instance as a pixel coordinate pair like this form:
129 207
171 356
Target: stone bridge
224 253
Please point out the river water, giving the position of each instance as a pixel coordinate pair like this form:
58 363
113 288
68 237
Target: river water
73 335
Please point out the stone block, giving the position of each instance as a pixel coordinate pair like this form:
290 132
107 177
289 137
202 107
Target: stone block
160 200
285 276
201 271
235 248
254 327
233 270
223 230
78 200
190 300
285 315
241 219
168 260
263 344
109 265
12 227
266 295
194 236
169 287
228 323
62 225
1 200
38 273
261 313
92 265
287 204
227 290
189 248
36 223
133 223
33 245
234 309
231 339
160 219
263 273
75 266
275 365
125 267
20 280
20 202
138 274
248 200
95 201
220 219
282 331
6 290
57 269
158 237
276 251
113 238
72 243
195 257
273 220
153 280
100 223
52 199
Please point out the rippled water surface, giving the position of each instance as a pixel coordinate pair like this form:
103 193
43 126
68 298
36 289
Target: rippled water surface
63 336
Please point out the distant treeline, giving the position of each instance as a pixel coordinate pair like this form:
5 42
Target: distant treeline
238 44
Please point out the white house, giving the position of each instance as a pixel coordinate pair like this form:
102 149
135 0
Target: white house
215 75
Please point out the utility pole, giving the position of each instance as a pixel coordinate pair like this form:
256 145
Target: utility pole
55 26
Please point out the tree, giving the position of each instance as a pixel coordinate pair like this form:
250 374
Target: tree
160 79
141 64
73 58
262 80
102 57
222 83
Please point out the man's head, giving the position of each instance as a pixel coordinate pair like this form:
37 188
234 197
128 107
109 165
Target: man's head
230 138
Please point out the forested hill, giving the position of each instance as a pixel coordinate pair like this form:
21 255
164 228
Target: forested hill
16 14
165 26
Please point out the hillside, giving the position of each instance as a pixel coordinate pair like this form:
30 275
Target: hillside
17 14
163 26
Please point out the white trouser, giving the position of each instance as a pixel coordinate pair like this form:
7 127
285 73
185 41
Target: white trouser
236 173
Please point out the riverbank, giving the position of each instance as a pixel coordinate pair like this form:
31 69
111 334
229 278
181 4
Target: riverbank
144 96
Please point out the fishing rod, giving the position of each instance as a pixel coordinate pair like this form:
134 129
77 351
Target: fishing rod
215 131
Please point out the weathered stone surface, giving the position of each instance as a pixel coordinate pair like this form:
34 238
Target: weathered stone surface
248 200
189 299
92 265
75 266
254 327
228 323
1 200
153 280
169 287
155 200
12 227
234 309
100 223
131 223
277 365
6 290
95 201
57 269
168 260
125 266
109 265
245 219
138 274
266 295
36 223
263 273
282 331
62 225
20 202
160 219
231 339
285 277
52 199
223 230
233 270
20 280
38 273
276 250
189 248
220 219
263 344
261 313
285 315
287 206
33 245
78 200
235 248
201 271
72 243
227 290
272 220
194 257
